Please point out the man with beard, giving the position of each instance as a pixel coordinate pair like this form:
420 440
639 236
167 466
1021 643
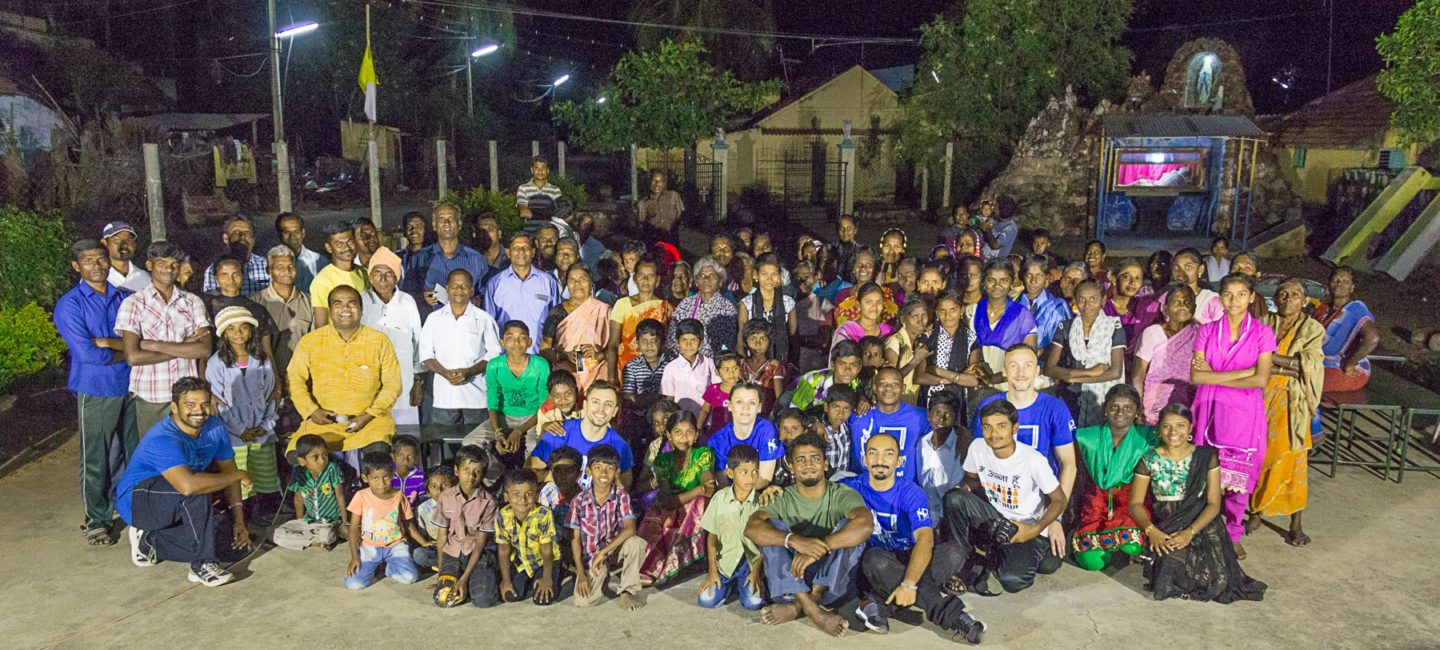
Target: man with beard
902 565
367 240
166 335
547 239
239 240
120 242
811 537
903 422
447 255
166 492
290 228
342 271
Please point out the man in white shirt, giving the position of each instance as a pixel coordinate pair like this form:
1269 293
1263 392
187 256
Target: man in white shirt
1010 497
119 239
394 313
456 343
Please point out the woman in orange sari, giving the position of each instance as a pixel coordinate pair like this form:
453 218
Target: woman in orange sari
627 313
1291 397
577 330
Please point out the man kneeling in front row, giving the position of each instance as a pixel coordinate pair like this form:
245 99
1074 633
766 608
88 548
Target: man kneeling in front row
1007 520
166 491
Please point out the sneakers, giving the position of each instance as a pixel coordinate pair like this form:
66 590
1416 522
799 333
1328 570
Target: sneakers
141 554
969 628
873 616
209 574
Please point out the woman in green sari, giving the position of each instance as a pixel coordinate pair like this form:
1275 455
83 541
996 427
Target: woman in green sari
684 481
1109 452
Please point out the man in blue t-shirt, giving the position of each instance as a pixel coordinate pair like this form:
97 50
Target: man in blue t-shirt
1046 426
602 400
164 494
748 428
902 565
906 423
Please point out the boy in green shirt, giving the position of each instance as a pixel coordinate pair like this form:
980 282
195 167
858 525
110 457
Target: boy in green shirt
516 391
735 564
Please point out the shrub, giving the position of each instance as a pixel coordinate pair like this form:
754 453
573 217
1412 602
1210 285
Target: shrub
480 200
35 265
28 342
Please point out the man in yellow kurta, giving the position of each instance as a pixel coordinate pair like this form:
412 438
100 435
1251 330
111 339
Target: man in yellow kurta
345 378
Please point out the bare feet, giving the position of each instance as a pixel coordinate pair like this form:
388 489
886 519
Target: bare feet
780 613
631 602
1297 537
829 622
1239 551
1252 523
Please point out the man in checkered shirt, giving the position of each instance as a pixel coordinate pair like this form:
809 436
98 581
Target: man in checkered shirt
166 334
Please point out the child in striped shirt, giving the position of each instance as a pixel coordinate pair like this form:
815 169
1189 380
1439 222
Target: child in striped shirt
319 490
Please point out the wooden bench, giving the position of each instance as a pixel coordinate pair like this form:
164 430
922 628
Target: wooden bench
1393 401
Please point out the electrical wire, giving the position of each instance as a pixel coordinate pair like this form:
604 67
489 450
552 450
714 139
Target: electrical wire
1233 21
137 12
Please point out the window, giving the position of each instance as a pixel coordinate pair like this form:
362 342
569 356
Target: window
1298 157
1391 159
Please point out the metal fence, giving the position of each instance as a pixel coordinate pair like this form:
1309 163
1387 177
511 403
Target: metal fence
805 188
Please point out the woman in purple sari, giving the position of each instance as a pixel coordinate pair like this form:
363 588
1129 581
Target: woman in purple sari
997 322
1161 369
1135 313
1230 368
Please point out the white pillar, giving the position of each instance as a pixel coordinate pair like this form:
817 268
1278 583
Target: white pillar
720 150
847 158
282 175
534 148
634 176
441 171
374 160
154 194
949 171
560 157
494 166
924 188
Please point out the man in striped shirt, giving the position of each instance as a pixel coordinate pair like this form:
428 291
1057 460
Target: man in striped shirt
538 187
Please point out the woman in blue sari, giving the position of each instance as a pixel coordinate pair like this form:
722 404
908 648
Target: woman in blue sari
1350 334
997 322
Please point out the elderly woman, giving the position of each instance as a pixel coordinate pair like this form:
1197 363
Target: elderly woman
1291 400
863 270
681 279
577 331
1350 334
710 307
1088 353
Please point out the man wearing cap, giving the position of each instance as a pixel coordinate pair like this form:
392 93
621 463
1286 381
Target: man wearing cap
393 312
290 229
239 240
344 379
288 306
99 378
119 239
448 254
166 335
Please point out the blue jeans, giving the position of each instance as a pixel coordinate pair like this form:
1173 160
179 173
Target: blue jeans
733 587
398 565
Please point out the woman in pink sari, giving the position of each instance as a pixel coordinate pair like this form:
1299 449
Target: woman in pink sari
576 332
1161 369
1230 369
871 299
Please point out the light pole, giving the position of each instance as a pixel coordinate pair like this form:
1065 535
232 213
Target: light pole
483 50
282 153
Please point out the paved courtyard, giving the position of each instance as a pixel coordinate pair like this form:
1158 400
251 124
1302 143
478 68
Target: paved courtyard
1368 581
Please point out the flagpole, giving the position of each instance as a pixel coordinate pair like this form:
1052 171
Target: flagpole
373 150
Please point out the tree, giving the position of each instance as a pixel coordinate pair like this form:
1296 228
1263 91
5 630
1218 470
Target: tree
982 79
664 98
1411 77
750 57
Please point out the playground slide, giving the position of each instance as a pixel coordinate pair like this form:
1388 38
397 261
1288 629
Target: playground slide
1356 238
1414 245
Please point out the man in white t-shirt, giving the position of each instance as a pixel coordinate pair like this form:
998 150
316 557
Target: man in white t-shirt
456 343
1010 497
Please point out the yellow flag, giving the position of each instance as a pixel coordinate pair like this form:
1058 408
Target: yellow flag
368 82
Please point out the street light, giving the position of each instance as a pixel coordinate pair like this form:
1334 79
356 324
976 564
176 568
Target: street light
282 154
296 30
483 50
563 78
601 100
488 49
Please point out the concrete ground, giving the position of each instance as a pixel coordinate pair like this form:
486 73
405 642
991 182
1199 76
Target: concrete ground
1359 585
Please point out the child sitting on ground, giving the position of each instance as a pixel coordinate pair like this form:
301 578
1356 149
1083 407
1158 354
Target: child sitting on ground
715 412
734 563
241 381
380 518
466 517
319 490
604 527
437 480
527 546
561 489
409 477
684 481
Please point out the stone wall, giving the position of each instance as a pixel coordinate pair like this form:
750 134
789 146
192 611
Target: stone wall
1054 168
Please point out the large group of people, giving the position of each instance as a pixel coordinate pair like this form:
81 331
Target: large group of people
531 414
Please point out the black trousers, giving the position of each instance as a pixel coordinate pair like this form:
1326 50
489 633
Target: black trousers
968 522
883 571
482 587
180 528
525 584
